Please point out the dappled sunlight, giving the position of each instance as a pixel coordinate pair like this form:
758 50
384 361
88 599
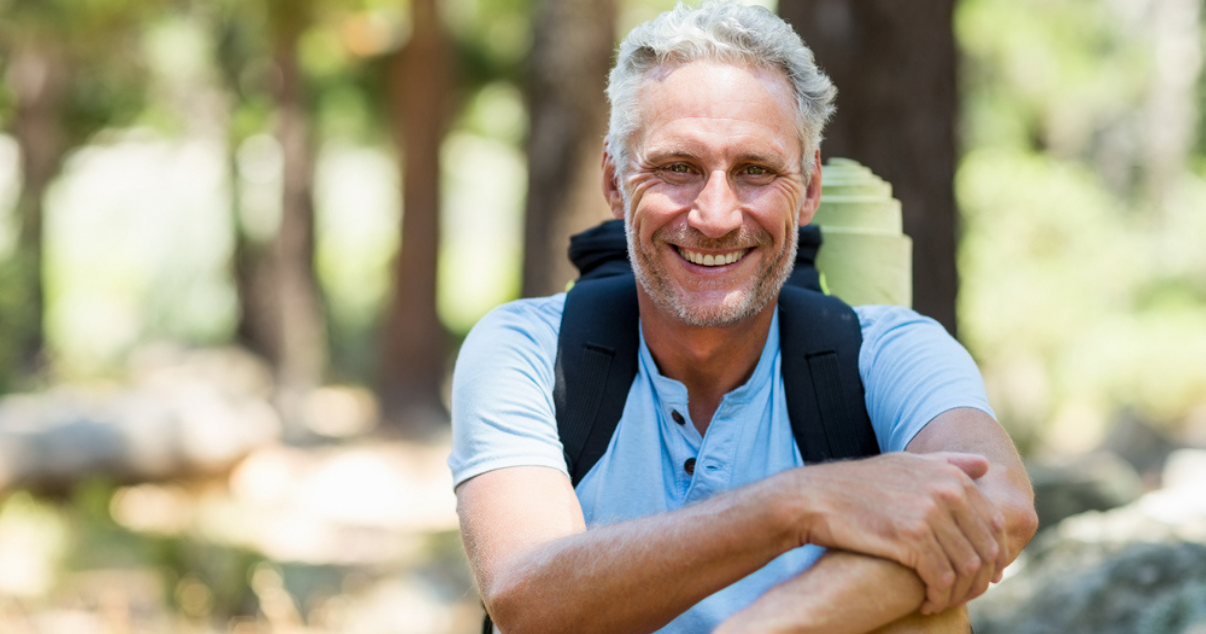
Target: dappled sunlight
354 502
32 544
343 539
163 470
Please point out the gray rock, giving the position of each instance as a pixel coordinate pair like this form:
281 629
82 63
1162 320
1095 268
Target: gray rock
1074 588
1140 443
1096 482
184 413
1136 569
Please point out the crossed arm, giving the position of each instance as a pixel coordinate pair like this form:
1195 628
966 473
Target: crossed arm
833 595
930 527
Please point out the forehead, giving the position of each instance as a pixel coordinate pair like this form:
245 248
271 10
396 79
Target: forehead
718 102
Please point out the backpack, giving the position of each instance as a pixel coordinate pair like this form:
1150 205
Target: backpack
820 338
819 342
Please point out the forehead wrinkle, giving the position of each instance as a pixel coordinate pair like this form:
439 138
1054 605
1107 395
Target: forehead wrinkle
695 116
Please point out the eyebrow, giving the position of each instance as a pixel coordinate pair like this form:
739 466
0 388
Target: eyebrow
661 154
658 155
759 157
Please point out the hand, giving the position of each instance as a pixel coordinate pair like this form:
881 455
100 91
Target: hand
924 511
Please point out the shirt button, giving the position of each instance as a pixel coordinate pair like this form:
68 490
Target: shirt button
678 418
689 466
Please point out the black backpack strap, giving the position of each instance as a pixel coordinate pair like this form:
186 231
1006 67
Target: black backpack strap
596 364
805 274
597 355
819 342
601 251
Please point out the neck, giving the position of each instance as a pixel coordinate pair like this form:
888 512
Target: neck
710 361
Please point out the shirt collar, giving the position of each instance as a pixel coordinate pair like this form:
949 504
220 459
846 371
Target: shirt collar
674 394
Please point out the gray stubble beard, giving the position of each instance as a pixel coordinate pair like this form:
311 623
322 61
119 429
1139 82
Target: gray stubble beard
770 280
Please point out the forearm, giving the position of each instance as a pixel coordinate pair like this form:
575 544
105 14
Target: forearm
1006 484
633 576
846 593
843 593
849 592
539 570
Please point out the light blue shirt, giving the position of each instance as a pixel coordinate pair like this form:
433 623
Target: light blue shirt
503 416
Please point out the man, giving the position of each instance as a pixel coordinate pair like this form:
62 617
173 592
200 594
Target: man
712 160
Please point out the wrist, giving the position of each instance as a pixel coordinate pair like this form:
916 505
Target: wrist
790 507
764 619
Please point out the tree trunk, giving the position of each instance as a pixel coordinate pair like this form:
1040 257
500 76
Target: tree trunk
38 81
251 258
301 345
571 54
894 65
1171 112
414 342
251 273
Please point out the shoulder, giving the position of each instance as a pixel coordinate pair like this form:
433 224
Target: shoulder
912 370
889 326
523 327
519 336
533 317
502 408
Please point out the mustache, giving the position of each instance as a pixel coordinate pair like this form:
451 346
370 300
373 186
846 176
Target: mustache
690 238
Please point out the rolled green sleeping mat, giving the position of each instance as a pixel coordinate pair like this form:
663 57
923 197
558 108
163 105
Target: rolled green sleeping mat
865 258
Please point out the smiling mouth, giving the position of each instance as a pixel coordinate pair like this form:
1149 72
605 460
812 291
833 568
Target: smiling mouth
710 259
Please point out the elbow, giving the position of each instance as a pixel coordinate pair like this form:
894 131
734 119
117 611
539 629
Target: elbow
1021 527
1027 526
509 607
499 600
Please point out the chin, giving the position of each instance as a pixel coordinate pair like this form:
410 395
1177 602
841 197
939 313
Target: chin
729 311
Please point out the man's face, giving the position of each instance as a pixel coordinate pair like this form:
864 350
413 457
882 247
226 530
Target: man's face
714 191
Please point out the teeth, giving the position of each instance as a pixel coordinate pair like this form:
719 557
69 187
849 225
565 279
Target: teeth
701 259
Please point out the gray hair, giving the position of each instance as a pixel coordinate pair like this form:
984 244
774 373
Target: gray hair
721 31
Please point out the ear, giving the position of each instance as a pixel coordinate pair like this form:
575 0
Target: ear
812 195
611 184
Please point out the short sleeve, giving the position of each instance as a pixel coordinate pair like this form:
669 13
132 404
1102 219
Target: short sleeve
502 403
913 370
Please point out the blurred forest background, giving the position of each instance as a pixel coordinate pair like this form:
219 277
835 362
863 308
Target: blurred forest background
240 242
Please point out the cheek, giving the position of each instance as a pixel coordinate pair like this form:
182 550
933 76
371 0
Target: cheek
638 188
777 206
650 205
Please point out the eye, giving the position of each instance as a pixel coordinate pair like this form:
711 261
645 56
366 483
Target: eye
678 168
755 170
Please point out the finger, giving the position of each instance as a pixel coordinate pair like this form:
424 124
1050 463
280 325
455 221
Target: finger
994 519
974 465
998 523
930 557
983 526
965 560
938 576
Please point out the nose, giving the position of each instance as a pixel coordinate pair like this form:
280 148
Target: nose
717 210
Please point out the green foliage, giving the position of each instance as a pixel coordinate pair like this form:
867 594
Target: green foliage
103 90
97 542
493 38
1080 291
16 318
1046 75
